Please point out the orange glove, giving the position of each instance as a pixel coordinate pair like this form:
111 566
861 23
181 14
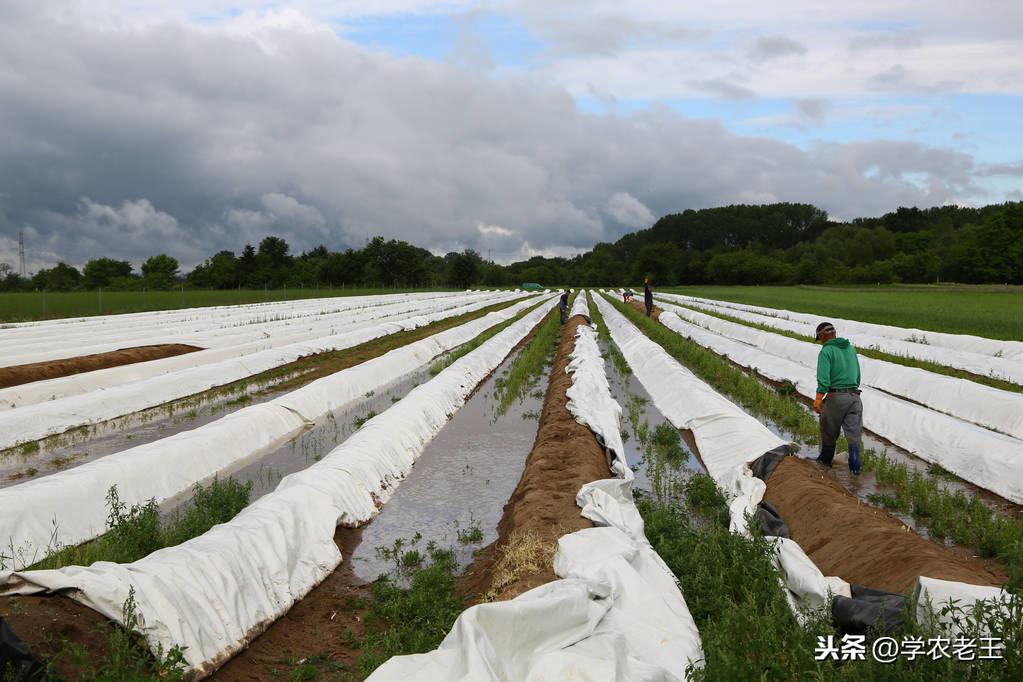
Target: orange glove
818 403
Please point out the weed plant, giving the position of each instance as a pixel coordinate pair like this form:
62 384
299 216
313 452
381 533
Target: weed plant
528 366
747 628
136 531
943 512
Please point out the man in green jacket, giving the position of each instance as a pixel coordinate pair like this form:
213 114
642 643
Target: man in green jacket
838 396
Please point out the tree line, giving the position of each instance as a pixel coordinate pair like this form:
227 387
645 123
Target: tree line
781 243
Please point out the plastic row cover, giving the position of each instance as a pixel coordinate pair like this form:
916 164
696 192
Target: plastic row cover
980 404
579 306
728 439
963 342
215 593
976 363
37 421
38 345
991 460
68 507
214 335
308 330
617 612
226 314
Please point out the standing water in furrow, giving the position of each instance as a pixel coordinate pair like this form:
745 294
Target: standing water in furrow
460 482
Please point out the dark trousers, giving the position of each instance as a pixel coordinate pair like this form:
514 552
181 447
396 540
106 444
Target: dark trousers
842 412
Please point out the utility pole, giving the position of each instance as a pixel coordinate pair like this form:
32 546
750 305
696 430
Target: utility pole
21 251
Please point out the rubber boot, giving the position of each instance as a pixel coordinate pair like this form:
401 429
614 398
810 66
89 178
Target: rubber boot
827 454
854 459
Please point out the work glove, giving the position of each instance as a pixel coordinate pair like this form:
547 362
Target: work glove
818 403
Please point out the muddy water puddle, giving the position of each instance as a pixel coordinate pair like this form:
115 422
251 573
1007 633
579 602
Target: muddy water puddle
661 456
86 444
456 492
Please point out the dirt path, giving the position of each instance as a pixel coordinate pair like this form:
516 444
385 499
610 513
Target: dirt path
52 369
641 307
860 543
317 627
565 455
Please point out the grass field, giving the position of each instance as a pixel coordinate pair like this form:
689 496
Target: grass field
994 312
20 307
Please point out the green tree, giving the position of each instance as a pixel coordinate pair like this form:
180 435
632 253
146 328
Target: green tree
464 268
61 277
159 271
99 272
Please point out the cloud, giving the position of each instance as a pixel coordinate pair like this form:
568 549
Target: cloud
126 140
629 211
724 89
772 47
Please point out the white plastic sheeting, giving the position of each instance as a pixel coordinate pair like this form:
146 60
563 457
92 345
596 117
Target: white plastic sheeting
40 420
728 439
579 306
983 405
984 365
307 330
964 342
988 459
217 328
215 593
68 507
933 597
616 614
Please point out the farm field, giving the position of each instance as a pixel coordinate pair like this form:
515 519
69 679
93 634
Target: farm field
19 307
331 488
991 311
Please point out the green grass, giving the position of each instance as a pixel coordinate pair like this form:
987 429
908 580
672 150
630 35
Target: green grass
871 353
413 619
994 312
20 307
528 366
943 512
748 631
137 531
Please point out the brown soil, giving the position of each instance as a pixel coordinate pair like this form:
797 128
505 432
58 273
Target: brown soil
641 307
565 455
859 543
38 371
316 628
44 624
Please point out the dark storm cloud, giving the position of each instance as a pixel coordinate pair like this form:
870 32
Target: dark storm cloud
129 141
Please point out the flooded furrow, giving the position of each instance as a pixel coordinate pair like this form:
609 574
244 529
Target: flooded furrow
460 483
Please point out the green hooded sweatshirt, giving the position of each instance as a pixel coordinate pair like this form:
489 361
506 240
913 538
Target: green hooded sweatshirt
837 366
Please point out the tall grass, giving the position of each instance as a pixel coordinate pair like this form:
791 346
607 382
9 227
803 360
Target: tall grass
747 628
136 531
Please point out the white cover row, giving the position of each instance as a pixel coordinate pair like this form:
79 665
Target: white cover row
991 460
43 419
1005 368
728 440
67 508
215 593
616 613
229 345
215 332
983 405
964 342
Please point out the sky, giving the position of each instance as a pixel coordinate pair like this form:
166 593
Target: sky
515 127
